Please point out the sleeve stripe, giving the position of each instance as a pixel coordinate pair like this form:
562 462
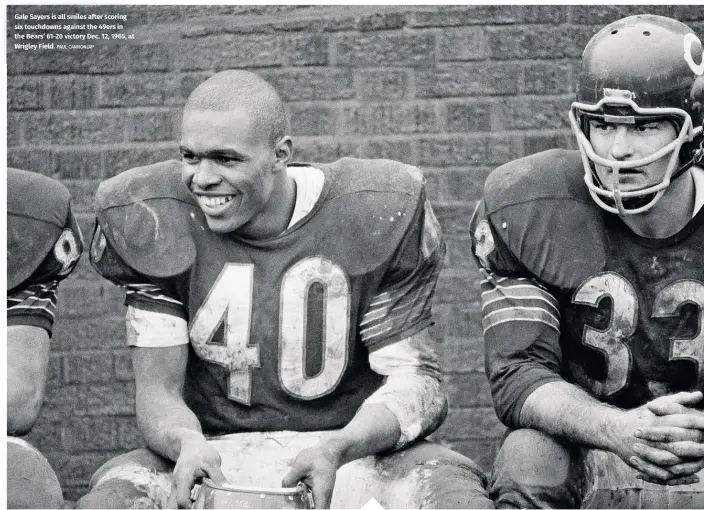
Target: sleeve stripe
519 291
384 317
388 296
517 314
366 337
153 293
487 303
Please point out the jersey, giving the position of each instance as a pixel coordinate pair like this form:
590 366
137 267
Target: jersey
571 293
278 327
44 244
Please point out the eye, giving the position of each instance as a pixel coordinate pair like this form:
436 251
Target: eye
189 158
225 160
649 126
601 126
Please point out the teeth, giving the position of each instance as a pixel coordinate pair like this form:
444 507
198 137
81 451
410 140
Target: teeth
215 201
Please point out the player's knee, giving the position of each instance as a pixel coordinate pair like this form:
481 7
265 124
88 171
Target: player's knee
137 479
450 484
31 481
534 457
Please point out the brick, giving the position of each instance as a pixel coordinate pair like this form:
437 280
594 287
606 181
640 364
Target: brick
123 365
189 82
119 160
459 253
477 423
391 49
165 13
467 43
468 390
397 149
465 355
78 128
487 15
324 150
539 142
79 300
456 184
154 126
88 367
115 399
504 147
47 434
230 52
150 57
25 94
55 370
458 320
533 42
14 129
128 435
304 49
600 15
381 21
390 118
99 60
550 78
482 452
451 150
454 219
91 333
382 84
453 80
467 116
82 193
307 119
459 287
78 165
91 434
36 160
73 92
531 113
311 84
148 89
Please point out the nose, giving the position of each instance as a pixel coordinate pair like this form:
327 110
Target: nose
622 144
204 176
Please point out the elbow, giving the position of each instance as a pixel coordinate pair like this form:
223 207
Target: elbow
23 410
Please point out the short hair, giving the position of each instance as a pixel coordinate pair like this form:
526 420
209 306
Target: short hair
230 90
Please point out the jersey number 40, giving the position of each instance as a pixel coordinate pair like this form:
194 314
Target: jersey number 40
230 302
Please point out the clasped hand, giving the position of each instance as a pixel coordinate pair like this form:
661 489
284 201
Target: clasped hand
668 447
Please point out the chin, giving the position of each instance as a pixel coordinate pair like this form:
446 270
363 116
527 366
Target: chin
222 226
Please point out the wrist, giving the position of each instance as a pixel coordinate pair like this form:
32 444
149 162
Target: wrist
335 449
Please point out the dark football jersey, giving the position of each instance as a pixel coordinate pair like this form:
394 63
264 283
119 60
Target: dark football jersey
572 293
277 327
43 246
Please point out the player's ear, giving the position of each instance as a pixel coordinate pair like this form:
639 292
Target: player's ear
283 150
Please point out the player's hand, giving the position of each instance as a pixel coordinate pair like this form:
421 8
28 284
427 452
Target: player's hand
316 467
197 460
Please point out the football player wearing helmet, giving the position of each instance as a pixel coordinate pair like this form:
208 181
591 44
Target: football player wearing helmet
593 296
278 315
43 246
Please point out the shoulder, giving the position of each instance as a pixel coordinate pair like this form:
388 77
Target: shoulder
352 175
37 197
159 180
540 209
147 214
552 175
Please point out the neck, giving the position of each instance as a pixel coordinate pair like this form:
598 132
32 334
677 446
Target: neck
276 215
670 214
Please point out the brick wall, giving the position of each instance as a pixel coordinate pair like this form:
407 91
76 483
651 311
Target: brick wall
456 90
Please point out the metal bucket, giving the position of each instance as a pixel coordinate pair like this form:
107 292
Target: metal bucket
211 495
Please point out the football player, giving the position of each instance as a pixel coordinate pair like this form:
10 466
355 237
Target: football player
278 315
593 289
43 246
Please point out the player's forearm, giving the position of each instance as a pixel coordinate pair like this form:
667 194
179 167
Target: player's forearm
372 430
564 410
24 401
166 422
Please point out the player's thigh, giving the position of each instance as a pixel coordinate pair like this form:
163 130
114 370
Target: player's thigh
31 481
611 483
425 475
136 479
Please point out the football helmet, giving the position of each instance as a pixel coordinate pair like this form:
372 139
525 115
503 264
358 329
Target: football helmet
640 69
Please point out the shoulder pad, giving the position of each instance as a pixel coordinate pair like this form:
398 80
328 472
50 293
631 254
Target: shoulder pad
540 207
353 175
146 214
37 215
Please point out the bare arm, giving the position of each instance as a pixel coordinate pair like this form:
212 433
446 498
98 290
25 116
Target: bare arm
27 363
